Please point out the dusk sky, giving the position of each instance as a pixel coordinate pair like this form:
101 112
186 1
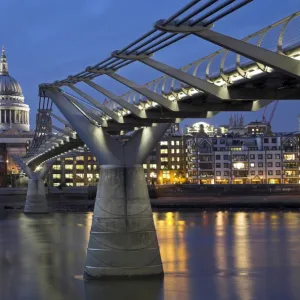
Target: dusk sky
49 40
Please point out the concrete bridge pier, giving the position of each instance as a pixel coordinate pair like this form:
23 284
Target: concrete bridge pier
36 201
123 239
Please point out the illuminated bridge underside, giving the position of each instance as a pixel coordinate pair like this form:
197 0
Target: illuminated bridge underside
123 239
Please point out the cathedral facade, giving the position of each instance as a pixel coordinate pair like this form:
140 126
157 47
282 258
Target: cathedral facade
15 134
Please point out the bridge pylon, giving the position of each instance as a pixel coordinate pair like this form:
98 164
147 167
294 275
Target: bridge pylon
123 239
36 200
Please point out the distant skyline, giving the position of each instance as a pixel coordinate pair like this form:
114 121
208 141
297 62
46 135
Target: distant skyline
49 40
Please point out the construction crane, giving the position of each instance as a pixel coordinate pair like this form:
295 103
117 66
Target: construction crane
265 118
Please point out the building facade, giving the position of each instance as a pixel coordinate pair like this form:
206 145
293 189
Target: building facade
14 113
81 170
166 164
243 160
14 125
248 156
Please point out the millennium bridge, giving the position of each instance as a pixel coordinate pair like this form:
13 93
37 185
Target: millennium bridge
250 74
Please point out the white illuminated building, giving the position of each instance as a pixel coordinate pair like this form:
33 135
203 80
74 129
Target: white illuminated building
210 130
241 160
14 113
14 125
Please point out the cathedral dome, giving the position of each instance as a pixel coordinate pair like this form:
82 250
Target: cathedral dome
14 113
8 85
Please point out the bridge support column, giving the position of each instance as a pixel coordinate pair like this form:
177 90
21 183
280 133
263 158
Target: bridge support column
36 201
123 239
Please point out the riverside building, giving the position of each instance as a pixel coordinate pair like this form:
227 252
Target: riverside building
252 159
246 154
165 165
15 132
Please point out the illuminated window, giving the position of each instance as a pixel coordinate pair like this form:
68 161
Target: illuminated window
56 167
178 166
173 167
164 143
97 176
79 167
163 151
56 176
79 184
173 151
144 166
163 159
177 150
80 175
289 156
89 167
69 159
89 175
91 158
178 158
172 143
239 165
69 167
79 157
153 166
173 158
69 184
177 143
252 165
56 184
95 167
69 176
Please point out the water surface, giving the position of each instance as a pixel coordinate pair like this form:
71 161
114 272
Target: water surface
206 255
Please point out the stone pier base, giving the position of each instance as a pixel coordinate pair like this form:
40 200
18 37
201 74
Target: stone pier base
123 238
36 201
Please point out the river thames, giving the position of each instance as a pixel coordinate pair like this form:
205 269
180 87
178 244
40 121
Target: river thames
206 255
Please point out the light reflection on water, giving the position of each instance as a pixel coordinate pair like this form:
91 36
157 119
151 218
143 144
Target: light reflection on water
206 255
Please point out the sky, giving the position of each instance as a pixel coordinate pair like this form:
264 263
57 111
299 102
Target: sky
49 40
